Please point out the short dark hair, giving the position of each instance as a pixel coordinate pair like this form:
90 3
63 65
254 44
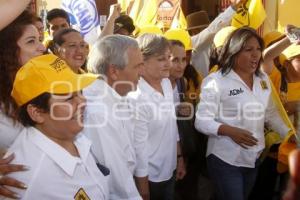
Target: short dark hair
125 22
41 102
234 45
57 12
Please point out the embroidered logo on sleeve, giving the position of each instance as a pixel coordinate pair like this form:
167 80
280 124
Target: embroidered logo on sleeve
235 92
81 195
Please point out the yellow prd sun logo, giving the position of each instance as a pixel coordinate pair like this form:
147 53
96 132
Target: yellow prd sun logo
81 195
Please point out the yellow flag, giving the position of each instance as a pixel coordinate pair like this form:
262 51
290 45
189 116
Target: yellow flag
125 4
179 21
145 13
136 8
251 13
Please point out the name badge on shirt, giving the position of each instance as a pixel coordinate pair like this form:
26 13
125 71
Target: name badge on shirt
264 85
235 92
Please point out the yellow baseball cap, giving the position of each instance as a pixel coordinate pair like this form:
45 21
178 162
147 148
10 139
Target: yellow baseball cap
290 52
149 29
181 35
222 35
272 37
47 73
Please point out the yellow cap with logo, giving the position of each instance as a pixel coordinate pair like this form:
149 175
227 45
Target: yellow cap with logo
47 73
181 35
222 35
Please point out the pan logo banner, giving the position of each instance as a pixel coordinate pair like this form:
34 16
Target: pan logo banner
84 17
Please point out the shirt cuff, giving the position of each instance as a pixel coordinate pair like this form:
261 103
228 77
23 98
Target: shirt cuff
141 173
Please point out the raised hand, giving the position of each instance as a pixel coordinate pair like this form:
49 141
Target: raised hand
293 33
114 11
236 3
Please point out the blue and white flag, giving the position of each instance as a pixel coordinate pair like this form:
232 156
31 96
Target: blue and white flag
84 17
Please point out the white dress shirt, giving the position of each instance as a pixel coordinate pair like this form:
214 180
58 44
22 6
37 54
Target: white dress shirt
156 129
54 173
226 99
202 41
109 126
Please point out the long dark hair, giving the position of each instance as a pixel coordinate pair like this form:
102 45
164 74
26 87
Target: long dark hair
190 73
234 45
9 59
214 57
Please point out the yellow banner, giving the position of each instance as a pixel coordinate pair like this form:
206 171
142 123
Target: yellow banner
251 13
162 13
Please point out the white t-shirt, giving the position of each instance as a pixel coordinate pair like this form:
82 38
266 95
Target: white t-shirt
54 173
226 99
156 129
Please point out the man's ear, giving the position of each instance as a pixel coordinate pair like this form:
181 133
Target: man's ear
112 73
36 114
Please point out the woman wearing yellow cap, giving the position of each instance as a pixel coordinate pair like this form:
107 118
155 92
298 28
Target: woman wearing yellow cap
284 70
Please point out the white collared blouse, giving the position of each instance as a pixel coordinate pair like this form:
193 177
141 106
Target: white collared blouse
156 129
226 99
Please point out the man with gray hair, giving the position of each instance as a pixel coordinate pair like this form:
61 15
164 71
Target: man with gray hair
108 119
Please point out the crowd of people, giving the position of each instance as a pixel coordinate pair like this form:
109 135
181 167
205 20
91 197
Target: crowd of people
146 115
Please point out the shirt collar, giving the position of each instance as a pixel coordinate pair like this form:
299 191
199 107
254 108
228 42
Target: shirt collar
145 86
99 89
233 75
57 153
